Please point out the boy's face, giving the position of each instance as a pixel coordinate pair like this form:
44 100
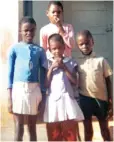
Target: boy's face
56 48
85 44
27 32
55 12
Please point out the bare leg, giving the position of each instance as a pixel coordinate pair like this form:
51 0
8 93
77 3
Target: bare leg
69 130
88 129
54 131
78 134
104 129
19 127
41 108
32 119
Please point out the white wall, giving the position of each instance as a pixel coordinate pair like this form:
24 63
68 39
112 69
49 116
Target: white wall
8 25
8 35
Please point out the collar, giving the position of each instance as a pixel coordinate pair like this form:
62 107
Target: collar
22 42
93 54
50 57
55 24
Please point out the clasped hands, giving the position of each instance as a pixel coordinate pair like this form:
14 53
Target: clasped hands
58 63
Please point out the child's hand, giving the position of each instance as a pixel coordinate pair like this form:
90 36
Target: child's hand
10 100
9 106
62 66
58 22
55 64
110 110
59 25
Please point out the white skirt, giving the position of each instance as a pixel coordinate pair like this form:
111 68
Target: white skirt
26 98
65 108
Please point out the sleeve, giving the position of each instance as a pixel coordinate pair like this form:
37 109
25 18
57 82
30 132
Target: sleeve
74 65
107 71
43 59
69 37
11 64
43 39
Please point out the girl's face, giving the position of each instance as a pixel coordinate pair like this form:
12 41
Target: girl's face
56 48
27 32
85 44
54 12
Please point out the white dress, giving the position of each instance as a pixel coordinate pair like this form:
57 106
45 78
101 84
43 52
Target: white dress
61 104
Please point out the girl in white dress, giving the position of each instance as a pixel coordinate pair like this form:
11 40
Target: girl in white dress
61 111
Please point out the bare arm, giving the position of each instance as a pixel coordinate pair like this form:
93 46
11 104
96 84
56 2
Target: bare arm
9 100
68 35
107 73
71 76
110 96
49 73
49 77
109 87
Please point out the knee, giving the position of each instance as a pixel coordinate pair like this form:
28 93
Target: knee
32 128
19 126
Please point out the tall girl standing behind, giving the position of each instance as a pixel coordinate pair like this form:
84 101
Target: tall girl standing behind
56 25
61 110
24 95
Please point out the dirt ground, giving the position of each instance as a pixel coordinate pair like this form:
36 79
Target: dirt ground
6 119
7 128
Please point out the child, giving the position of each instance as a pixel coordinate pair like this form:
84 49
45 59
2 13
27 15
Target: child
61 110
25 59
56 25
94 74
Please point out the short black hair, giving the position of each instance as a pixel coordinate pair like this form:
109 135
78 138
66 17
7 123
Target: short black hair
27 19
86 33
56 37
58 3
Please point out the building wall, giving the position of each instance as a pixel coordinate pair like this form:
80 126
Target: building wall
8 36
39 14
8 26
96 16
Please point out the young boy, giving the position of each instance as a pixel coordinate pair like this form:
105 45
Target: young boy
94 81
57 25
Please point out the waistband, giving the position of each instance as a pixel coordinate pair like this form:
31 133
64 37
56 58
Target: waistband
26 85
